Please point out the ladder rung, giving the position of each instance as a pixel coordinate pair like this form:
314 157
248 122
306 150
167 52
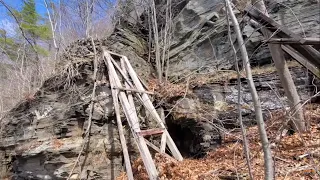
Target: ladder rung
150 132
133 90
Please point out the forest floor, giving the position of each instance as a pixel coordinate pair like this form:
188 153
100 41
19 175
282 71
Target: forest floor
295 156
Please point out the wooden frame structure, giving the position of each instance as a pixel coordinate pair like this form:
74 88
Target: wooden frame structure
124 93
301 49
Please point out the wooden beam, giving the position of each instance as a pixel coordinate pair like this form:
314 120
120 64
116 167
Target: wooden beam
157 149
150 132
163 144
120 129
302 41
133 90
130 97
269 23
296 55
307 51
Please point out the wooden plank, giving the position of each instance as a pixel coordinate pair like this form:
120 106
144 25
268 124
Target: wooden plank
269 23
133 90
302 41
307 51
163 144
148 104
157 149
120 129
133 122
296 55
149 132
130 97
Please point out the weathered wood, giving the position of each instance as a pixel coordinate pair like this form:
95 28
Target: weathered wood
302 41
292 52
307 51
125 96
133 122
120 129
133 90
148 104
150 132
296 55
163 144
157 149
130 97
269 23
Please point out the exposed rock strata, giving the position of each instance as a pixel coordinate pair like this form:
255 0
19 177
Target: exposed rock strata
41 137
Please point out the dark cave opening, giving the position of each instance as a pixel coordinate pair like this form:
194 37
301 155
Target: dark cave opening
187 137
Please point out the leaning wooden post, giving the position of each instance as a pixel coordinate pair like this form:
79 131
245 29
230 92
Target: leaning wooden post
120 128
130 98
286 80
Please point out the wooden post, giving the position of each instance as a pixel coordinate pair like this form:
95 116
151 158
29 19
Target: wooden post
163 144
297 122
130 97
120 129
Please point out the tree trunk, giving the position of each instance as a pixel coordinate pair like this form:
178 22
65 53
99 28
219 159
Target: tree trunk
156 40
268 162
298 122
245 141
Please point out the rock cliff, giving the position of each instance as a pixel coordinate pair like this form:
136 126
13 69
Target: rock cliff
41 137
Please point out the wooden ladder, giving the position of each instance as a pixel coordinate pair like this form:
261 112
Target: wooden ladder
124 93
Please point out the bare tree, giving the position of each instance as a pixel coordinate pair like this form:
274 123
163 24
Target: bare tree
268 162
166 39
53 23
243 130
156 39
298 122
88 21
53 19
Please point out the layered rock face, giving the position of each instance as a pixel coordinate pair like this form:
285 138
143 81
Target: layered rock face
41 137
200 51
300 17
200 37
